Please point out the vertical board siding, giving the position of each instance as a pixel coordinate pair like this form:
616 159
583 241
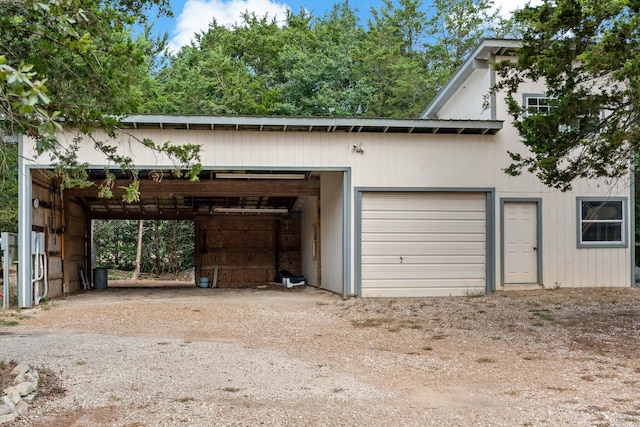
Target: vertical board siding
331 231
423 244
248 251
468 101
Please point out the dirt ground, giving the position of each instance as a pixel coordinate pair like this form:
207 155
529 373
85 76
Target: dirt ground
306 357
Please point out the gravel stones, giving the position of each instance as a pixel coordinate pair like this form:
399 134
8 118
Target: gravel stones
16 399
214 357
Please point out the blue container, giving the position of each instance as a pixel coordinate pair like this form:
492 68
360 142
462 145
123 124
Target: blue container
204 282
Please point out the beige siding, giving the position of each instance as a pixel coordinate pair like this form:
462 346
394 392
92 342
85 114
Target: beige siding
468 101
423 244
331 207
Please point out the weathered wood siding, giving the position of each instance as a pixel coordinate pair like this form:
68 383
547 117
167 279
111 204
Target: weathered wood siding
75 253
47 219
248 251
63 224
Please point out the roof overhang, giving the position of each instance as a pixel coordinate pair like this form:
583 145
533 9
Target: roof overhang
311 124
478 59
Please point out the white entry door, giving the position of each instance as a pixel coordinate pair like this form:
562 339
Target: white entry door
520 242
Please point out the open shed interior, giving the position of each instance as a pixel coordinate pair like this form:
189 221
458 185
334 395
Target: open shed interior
249 225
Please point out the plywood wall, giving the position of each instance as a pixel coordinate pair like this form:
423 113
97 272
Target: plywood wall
75 245
63 223
248 250
46 218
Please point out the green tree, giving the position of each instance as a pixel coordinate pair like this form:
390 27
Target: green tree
167 245
75 62
395 64
224 71
323 74
9 188
327 66
454 30
588 55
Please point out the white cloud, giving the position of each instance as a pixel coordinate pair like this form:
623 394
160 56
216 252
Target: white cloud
198 14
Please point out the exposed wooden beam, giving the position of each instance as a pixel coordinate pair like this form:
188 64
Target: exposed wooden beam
175 188
189 215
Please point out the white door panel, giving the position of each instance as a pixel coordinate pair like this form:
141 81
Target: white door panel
520 242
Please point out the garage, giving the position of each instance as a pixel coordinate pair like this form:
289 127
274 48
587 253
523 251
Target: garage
423 243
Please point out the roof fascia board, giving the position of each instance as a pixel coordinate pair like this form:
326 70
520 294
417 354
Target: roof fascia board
332 123
478 59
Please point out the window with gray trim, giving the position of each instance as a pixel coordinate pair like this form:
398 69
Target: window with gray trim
602 222
539 103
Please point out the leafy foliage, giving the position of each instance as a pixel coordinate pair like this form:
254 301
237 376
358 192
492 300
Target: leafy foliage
588 54
9 185
167 248
457 26
326 66
74 62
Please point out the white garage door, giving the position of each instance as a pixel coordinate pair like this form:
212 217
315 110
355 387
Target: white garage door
418 244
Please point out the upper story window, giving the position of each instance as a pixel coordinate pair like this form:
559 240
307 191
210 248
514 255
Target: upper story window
587 124
601 222
536 103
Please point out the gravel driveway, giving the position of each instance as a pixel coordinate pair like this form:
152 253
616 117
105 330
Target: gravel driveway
304 357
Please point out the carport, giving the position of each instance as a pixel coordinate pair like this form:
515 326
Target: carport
248 223
251 219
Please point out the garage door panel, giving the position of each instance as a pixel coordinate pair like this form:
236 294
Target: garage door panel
435 283
442 202
441 290
435 226
421 215
423 237
441 238
424 260
419 272
419 248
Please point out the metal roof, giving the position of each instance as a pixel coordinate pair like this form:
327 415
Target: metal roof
311 124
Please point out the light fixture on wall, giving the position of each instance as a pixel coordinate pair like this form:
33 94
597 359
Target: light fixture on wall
358 147
260 175
254 210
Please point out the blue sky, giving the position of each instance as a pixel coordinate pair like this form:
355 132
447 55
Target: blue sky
193 16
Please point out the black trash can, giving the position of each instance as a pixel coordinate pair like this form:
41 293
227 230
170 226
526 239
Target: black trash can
100 278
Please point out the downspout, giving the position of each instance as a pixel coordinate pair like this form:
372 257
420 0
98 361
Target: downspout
24 228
